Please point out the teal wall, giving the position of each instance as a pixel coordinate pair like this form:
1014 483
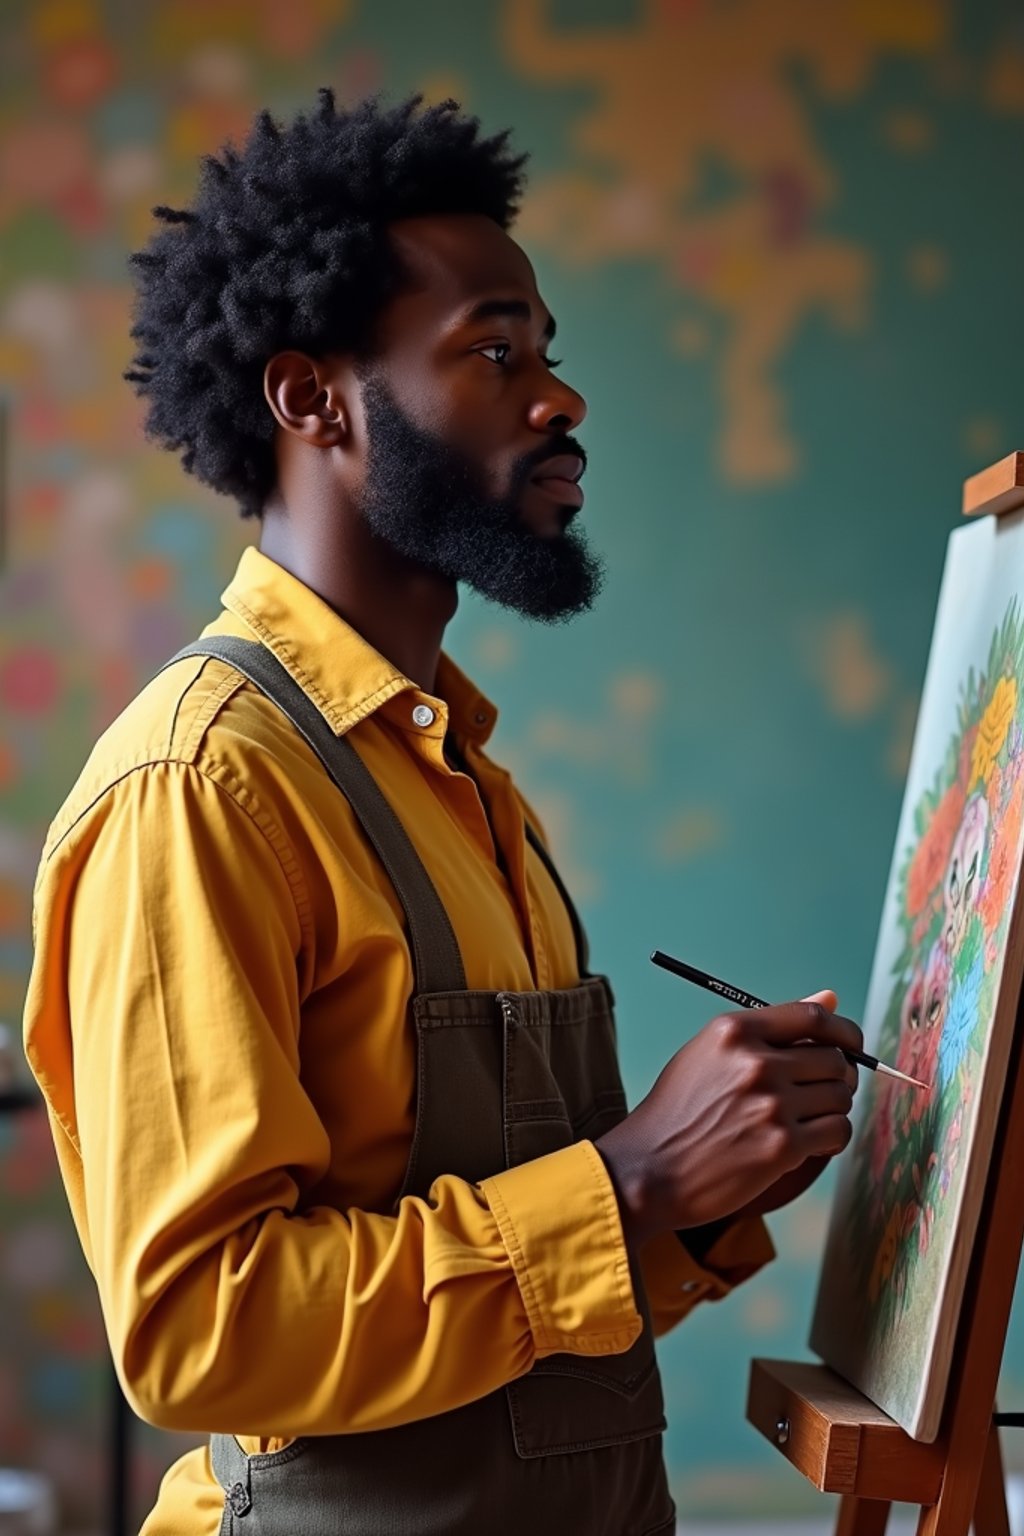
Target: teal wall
784 242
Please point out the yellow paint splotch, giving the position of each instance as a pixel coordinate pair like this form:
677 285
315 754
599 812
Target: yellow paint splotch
910 132
843 658
558 817
496 648
764 1311
63 21
688 833
983 435
1004 79
635 695
927 268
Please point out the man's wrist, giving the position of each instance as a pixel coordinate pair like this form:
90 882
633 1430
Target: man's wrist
629 1179
698 1241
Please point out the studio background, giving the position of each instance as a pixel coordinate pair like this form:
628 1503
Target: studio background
784 242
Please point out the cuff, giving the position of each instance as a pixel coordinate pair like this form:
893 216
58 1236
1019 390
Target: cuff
676 1278
734 1252
559 1220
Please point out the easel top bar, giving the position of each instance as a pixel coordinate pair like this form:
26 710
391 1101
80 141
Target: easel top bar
997 490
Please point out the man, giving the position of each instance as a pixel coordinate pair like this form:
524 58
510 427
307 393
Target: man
333 1091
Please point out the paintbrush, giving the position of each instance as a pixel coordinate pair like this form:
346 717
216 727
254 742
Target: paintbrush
746 1000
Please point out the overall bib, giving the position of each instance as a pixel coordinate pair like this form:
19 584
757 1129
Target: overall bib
572 1448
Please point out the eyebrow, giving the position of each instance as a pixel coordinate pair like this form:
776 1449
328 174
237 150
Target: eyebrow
514 309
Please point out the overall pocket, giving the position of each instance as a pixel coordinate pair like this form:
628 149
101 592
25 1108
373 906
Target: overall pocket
580 1402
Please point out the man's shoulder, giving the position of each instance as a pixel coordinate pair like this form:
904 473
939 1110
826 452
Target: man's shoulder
198 713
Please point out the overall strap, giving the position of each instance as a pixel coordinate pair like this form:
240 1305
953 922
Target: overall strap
582 950
437 962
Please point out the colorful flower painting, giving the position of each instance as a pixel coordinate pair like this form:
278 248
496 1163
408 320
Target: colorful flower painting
955 886
886 1308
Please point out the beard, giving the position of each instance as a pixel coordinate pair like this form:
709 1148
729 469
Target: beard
428 502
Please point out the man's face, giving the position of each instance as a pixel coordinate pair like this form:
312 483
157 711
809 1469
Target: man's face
471 464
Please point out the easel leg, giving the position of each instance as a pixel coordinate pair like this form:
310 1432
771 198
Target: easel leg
862 1517
990 1514
964 1504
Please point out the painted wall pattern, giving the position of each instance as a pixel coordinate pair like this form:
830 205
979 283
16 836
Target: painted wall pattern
783 241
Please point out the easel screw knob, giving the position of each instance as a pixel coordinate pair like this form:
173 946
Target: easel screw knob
781 1431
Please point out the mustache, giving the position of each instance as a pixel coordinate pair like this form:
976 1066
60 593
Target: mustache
526 467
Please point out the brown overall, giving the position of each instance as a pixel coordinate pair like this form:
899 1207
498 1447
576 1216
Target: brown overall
573 1448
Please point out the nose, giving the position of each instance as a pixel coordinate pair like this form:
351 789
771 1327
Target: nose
558 408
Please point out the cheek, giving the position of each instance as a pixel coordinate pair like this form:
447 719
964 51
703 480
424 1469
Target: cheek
492 465
467 416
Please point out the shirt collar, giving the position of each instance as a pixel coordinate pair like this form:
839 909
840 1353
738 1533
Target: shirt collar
344 676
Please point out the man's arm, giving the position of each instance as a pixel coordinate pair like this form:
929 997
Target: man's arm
163 1023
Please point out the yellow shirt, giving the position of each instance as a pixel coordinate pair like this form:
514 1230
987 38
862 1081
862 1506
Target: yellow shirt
217 1016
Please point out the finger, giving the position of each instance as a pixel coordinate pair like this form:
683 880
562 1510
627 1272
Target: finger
828 999
825 1135
817 1099
851 1073
810 1063
786 1023
854 1035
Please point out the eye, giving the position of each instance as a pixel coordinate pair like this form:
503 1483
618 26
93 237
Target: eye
504 348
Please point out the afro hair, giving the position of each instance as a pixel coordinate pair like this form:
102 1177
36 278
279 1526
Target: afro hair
286 245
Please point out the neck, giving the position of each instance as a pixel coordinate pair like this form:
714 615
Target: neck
399 608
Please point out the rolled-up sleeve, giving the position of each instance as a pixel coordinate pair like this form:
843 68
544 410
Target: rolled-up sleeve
560 1222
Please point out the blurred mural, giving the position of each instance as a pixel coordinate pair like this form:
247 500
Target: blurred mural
783 240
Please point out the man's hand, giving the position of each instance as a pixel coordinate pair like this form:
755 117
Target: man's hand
741 1120
786 1189
792 1185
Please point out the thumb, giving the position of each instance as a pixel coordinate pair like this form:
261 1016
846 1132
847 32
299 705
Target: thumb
828 999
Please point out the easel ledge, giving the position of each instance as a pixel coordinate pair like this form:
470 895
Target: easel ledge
837 1437
831 1432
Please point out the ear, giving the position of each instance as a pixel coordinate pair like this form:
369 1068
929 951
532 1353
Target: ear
307 399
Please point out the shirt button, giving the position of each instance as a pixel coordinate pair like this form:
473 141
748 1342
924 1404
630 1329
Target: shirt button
480 718
423 715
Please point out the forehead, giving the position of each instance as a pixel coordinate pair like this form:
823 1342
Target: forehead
453 259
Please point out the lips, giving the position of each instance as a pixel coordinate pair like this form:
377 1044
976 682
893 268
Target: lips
567 466
557 477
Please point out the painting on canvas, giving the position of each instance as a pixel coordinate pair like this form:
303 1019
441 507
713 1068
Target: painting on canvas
941 1002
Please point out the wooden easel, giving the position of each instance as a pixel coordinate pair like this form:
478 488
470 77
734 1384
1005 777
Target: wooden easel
837 1437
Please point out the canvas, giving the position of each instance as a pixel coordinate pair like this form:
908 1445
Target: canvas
941 1003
